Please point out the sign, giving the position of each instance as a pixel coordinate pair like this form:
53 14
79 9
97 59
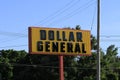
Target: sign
59 41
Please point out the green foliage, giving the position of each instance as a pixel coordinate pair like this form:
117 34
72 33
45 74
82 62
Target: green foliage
7 58
93 43
19 65
78 27
70 69
36 67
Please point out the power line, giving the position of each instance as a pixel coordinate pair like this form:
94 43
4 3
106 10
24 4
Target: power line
63 11
110 40
55 67
11 39
74 12
58 12
93 19
12 34
20 35
109 36
27 44
41 66
14 46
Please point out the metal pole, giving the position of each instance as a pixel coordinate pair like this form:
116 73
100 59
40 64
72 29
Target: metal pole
61 68
98 41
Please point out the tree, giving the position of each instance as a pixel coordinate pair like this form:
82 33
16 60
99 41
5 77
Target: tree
108 63
87 64
7 59
78 27
20 65
36 67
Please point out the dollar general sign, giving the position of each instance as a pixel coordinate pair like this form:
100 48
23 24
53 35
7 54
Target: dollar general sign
59 41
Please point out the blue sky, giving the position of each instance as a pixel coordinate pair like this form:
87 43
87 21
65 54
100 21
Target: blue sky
17 15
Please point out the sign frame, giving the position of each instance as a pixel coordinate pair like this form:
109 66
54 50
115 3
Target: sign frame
49 53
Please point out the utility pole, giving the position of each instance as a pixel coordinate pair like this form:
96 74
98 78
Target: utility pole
98 41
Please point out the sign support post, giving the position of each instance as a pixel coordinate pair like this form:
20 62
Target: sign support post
61 68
